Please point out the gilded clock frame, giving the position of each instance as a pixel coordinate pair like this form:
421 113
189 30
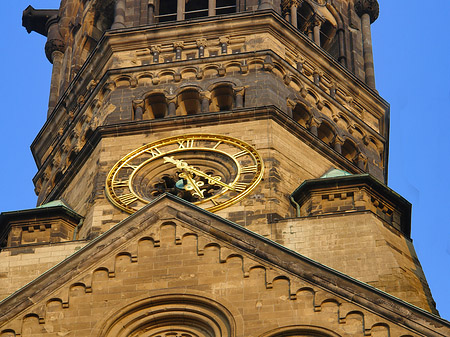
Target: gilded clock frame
185 143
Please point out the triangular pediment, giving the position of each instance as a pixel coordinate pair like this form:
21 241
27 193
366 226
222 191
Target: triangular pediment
172 255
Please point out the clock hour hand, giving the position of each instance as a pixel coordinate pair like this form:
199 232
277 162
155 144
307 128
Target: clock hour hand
182 165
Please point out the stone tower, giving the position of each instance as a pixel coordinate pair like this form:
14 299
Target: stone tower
212 168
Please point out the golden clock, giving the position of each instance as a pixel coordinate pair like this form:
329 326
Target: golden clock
211 171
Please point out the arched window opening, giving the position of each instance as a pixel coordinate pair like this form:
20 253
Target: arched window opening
225 7
196 9
304 15
301 115
166 11
189 102
156 107
222 98
349 150
104 15
325 133
329 39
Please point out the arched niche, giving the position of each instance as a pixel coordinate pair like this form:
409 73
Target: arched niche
171 315
349 150
222 98
300 331
301 115
325 132
189 102
156 106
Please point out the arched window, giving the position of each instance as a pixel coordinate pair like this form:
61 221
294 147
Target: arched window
301 115
171 315
196 9
155 107
222 98
349 150
325 133
188 102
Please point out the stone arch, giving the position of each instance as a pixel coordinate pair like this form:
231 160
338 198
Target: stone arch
222 97
300 331
188 101
301 114
155 105
349 150
192 315
326 132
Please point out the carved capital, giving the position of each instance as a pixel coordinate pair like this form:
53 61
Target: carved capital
201 43
317 20
370 7
314 122
156 48
239 91
52 46
339 140
224 39
178 45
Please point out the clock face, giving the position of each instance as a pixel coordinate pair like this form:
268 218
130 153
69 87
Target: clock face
211 171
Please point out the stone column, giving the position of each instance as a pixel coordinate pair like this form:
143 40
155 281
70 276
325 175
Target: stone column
313 125
317 23
223 41
294 7
368 10
138 109
119 15
201 44
205 98
54 50
156 50
172 110
181 8
239 93
151 12
338 142
362 160
211 7
178 47
265 4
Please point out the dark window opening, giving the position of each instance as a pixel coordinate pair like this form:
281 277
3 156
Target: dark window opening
196 9
225 7
167 11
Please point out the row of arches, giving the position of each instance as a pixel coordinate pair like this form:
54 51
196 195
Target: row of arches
190 100
336 138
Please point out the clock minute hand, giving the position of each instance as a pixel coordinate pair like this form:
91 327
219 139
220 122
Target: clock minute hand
185 166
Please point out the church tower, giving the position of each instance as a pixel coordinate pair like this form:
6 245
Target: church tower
212 168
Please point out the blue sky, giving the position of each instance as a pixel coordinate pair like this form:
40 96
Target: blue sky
412 66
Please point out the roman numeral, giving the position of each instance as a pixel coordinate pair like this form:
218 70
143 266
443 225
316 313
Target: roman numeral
185 144
217 145
120 183
239 187
127 199
216 203
154 151
130 166
249 169
240 154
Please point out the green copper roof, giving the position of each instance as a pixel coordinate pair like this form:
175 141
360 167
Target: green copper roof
53 203
335 173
